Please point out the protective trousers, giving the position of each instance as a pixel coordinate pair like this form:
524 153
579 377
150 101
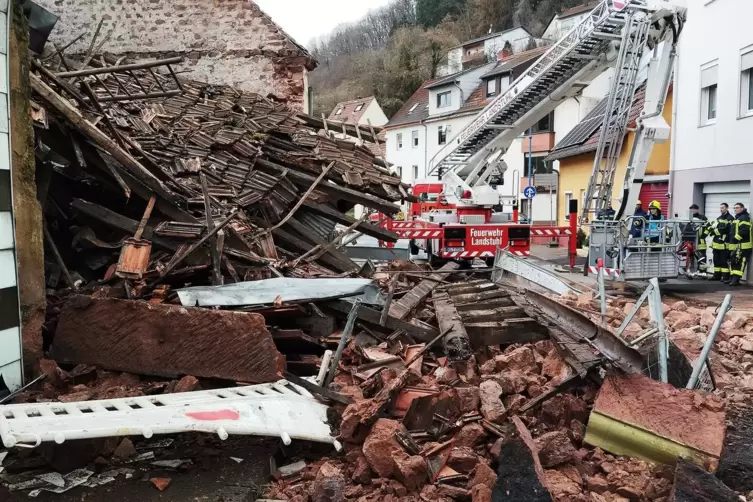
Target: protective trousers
739 261
721 259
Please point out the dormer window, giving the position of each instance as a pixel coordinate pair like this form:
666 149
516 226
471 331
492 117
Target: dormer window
359 107
412 108
491 87
339 111
444 99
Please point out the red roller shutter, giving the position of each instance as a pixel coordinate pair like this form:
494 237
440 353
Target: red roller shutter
656 191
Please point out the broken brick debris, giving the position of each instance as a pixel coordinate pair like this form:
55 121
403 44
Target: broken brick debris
165 340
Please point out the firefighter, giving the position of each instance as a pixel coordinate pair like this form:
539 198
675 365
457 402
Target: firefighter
741 237
639 220
720 231
654 215
608 213
696 233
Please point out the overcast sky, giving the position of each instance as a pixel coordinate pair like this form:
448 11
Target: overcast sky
306 19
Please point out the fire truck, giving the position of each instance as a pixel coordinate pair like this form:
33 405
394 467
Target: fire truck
617 34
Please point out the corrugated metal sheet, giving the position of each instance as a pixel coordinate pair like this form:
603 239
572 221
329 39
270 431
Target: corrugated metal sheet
285 289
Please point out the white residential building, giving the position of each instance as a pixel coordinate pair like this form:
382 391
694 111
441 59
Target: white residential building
712 158
566 21
484 48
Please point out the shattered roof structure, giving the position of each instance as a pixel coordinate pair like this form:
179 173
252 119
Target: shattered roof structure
215 158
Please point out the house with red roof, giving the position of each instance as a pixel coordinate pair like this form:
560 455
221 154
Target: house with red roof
360 111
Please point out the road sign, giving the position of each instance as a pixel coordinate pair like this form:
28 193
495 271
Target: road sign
529 192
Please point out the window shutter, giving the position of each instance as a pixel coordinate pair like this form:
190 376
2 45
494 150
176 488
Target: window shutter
709 76
747 61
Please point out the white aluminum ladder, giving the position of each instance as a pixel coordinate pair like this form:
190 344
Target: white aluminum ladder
278 409
616 116
572 62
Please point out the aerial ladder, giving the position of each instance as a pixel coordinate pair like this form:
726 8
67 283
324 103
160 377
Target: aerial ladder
617 33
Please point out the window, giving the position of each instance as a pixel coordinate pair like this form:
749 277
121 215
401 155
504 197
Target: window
746 83
359 107
709 81
339 111
415 172
399 171
444 99
412 108
539 165
443 132
400 141
414 135
491 87
544 125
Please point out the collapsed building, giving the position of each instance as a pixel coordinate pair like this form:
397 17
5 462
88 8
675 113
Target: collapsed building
194 240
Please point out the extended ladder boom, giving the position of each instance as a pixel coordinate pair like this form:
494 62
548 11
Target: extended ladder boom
474 154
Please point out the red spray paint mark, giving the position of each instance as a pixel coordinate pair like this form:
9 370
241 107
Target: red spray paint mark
214 415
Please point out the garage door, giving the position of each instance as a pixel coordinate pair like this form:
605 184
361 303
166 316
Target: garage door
731 193
658 192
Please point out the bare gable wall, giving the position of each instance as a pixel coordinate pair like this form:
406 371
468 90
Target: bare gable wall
224 41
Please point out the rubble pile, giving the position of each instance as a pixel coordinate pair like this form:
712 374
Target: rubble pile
230 185
449 431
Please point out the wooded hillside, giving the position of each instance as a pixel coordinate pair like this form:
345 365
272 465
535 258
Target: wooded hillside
392 50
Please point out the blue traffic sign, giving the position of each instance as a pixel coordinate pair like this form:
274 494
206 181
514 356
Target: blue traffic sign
529 192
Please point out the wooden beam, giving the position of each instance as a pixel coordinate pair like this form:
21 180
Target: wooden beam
456 342
423 289
369 315
75 119
115 220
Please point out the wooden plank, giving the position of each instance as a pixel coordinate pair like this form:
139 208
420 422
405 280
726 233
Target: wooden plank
165 340
456 343
486 304
465 288
418 294
510 331
369 315
498 314
478 297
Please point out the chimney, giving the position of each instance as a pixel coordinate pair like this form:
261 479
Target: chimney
503 54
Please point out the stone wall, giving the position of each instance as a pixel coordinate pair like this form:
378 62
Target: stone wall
224 41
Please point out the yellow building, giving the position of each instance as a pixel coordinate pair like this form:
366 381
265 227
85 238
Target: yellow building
575 153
